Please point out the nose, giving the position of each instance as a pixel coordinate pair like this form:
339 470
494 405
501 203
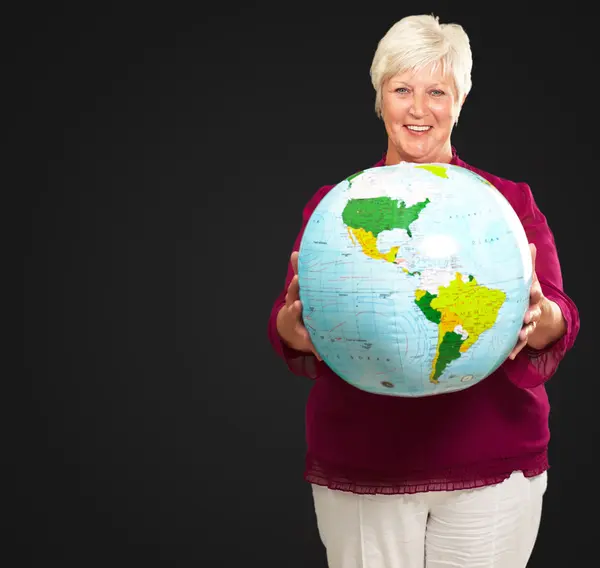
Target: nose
418 107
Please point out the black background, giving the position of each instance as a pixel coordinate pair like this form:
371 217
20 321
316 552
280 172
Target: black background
166 154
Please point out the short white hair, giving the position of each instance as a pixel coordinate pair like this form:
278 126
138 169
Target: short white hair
415 42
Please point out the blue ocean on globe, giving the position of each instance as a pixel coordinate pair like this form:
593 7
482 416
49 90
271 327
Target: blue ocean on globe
414 279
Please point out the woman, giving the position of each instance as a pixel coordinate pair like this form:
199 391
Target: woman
449 480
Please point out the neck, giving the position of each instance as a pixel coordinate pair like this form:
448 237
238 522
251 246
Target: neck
395 155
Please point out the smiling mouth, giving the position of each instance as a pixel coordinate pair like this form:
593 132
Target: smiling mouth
417 129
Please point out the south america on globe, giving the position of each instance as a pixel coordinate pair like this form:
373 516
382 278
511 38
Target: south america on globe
414 279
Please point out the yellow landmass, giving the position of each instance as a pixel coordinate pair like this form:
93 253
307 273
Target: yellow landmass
465 305
368 243
468 304
419 294
439 171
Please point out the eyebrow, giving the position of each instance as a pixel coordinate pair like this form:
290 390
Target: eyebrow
436 83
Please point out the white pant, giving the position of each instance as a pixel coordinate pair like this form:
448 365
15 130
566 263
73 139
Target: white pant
491 527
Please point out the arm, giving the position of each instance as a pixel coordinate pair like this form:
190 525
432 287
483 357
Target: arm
558 326
299 362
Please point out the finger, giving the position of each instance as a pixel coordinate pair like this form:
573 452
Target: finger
518 348
523 338
536 295
297 309
294 261
311 345
313 348
533 315
305 333
293 292
526 331
533 250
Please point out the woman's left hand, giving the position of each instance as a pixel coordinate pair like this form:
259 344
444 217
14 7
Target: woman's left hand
534 312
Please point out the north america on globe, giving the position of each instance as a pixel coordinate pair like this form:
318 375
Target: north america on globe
462 309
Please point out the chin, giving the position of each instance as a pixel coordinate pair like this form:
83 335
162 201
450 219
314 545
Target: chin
413 152
412 155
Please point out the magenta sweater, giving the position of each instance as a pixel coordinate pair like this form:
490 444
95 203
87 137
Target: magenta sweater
368 443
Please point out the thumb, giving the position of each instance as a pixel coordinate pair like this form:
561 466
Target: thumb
533 250
294 261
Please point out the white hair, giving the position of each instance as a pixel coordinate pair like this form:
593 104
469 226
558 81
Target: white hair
417 41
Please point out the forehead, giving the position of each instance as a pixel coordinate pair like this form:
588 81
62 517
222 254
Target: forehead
432 73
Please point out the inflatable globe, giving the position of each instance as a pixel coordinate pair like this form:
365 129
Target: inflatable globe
414 279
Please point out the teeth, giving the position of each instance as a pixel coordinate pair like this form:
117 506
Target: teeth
419 128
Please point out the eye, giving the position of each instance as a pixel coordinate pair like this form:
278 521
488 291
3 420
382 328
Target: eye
401 90
437 93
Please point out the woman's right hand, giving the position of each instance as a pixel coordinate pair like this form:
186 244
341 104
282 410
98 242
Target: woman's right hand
290 324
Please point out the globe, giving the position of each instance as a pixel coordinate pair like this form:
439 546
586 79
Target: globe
414 279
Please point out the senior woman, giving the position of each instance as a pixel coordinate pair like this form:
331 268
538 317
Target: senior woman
448 480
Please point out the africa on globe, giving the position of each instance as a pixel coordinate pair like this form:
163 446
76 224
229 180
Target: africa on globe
414 279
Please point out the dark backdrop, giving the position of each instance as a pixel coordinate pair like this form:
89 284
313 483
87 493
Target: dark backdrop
169 151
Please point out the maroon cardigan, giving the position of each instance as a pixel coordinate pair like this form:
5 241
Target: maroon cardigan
369 443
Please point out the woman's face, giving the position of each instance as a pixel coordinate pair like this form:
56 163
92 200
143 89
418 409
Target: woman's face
419 110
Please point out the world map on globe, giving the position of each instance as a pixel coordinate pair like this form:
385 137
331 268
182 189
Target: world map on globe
414 278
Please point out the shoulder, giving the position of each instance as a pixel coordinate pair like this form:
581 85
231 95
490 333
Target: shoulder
315 200
516 192
325 189
502 184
